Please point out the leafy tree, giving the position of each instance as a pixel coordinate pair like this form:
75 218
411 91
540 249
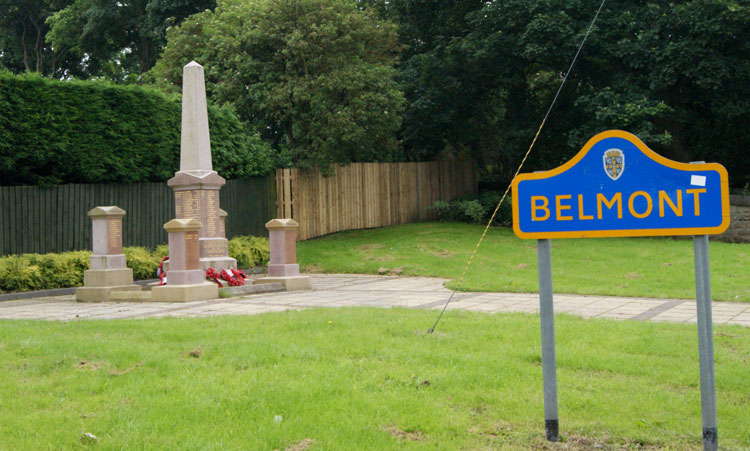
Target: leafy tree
117 38
479 76
23 31
316 77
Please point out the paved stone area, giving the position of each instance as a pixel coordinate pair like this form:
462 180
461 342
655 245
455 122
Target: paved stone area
377 291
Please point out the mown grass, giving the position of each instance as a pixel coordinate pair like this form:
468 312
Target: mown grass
360 379
648 267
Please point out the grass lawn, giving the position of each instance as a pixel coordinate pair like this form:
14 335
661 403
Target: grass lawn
360 379
648 267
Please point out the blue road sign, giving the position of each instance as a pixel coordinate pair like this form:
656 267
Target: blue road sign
617 186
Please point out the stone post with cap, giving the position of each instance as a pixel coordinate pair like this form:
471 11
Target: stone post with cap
186 280
283 267
107 269
196 185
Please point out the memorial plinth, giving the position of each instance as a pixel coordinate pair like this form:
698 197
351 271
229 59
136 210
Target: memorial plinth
196 185
282 265
107 269
186 281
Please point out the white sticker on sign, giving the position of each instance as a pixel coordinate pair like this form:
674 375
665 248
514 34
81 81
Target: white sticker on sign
698 180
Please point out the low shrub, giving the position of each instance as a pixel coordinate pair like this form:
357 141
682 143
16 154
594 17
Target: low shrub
249 251
475 208
161 251
42 271
142 261
444 210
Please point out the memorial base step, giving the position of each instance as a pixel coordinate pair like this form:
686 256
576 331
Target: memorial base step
290 283
185 293
129 296
247 290
101 294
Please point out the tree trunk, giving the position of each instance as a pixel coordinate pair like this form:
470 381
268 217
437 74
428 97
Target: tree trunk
145 62
26 63
39 49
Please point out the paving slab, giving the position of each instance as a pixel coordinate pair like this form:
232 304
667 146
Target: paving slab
344 290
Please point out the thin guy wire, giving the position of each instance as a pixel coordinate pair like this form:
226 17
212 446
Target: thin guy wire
505 194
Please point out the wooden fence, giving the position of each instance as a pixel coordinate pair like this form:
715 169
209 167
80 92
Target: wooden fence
364 195
40 220
361 195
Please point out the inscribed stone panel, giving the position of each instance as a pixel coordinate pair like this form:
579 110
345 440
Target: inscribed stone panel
192 251
187 204
114 236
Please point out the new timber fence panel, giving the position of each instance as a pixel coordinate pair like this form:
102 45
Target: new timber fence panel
365 195
42 220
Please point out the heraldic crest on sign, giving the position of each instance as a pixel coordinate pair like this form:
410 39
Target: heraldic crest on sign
614 163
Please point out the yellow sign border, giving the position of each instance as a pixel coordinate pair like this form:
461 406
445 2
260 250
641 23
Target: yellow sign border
724 177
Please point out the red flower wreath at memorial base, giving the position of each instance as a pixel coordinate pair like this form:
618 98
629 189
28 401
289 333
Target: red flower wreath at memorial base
160 272
234 277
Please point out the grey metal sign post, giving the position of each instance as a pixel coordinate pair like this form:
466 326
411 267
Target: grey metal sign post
705 342
547 317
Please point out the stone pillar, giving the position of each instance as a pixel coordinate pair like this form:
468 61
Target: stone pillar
283 267
186 281
107 270
196 185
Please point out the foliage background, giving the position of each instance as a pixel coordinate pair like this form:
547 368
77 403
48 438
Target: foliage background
478 77
88 38
96 132
384 80
316 77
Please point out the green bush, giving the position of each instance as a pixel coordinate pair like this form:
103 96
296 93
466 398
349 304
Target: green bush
142 261
57 132
489 200
62 270
42 271
475 208
249 251
443 210
161 251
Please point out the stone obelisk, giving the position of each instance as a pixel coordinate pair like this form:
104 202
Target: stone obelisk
196 185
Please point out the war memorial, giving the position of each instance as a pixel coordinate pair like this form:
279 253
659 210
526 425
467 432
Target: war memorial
197 235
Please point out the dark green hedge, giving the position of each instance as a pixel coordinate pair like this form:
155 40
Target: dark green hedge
54 132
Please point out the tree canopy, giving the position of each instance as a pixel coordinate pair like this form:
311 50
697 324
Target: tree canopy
478 77
374 80
23 33
315 77
85 38
119 38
